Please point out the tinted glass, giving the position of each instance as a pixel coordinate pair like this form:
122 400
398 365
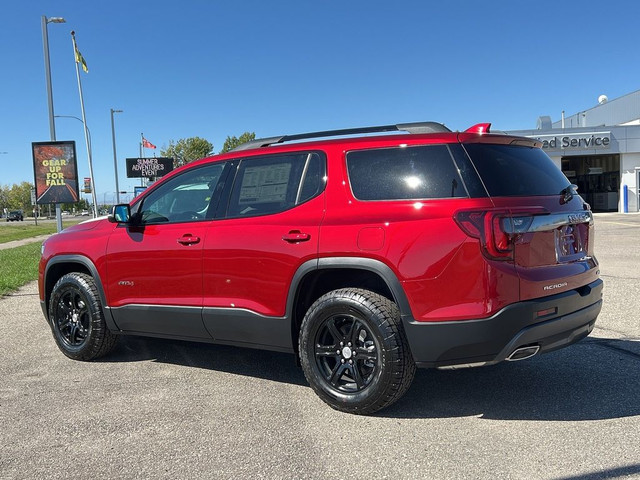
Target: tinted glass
183 198
510 170
404 173
312 181
470 177
272 184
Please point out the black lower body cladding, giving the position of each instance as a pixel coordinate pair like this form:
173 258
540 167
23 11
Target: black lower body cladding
571 317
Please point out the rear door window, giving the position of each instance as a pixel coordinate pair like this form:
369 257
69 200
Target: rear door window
404 173
511 170
275 183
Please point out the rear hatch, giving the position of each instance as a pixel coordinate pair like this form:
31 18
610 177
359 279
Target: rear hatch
540 223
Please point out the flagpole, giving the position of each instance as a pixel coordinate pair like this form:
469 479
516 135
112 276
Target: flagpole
141 155
86 131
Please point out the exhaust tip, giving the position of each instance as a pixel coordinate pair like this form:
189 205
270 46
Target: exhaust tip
523 353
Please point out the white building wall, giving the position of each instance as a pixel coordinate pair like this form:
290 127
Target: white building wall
629 168
557 161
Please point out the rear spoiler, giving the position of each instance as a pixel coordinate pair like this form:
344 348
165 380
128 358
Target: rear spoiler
481 133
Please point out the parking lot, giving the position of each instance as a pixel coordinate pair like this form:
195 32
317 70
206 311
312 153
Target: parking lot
169 409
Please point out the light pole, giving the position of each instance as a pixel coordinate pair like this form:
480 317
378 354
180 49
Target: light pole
115 158
47 72
80 120
86 131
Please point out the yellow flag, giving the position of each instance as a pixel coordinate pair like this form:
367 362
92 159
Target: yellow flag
79 57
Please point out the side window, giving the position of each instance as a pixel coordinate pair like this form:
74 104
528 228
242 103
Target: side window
404 173
184 198
275 183
312 179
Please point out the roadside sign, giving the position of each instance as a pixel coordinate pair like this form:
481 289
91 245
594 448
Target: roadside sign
148 167
56 172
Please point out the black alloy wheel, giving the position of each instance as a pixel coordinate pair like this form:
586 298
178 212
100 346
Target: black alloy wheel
77 320
354 352
73 319
346 353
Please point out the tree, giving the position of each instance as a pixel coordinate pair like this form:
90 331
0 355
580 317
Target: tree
232 142
4 198
19 197
187 150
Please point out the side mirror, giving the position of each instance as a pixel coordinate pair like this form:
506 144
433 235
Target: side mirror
120 214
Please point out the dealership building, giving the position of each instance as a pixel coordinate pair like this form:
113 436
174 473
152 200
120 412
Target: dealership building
599 150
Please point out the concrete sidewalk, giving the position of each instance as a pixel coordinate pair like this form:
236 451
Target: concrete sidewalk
24 241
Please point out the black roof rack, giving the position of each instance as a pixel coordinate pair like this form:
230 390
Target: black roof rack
417 127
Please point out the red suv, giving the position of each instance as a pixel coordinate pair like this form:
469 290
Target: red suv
365 255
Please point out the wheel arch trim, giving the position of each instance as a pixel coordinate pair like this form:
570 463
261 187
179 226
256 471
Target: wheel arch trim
93 271
355 263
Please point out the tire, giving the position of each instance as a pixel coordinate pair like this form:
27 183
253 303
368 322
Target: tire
77 318
354 352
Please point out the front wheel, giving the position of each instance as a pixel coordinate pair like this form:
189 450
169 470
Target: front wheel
354 352
77 319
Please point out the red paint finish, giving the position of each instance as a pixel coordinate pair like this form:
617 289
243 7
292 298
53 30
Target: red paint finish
249 262
156 264
451 256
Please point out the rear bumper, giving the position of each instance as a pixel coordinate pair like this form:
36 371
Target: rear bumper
487 341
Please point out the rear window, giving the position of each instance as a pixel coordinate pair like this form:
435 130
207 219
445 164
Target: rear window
404 173
512 171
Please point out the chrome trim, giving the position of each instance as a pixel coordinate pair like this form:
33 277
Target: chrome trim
541 223
303 177
463 365
529 351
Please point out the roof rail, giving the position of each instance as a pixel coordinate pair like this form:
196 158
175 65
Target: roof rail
417 127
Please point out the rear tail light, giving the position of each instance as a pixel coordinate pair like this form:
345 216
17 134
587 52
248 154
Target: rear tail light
501 240
496 229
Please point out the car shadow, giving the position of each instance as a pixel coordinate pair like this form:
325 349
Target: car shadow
618 472
279 367
594 379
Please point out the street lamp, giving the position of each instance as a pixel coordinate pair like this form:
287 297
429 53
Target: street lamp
86 129
115 158
47 72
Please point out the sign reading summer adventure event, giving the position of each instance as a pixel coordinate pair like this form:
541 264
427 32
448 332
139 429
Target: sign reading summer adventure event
55 170
148 167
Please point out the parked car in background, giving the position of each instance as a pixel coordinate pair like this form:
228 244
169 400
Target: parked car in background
15 215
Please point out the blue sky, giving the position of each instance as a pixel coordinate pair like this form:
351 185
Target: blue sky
218 68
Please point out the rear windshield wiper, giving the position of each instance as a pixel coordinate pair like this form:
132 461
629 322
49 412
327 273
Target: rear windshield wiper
568 193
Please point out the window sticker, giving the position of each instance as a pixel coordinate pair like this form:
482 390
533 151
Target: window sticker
265 184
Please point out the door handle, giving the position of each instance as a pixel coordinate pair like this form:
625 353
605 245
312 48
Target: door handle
296 236
188 239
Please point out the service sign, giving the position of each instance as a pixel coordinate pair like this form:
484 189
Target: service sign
148 167
55 170
576 141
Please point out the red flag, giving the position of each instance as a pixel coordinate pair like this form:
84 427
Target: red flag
147 144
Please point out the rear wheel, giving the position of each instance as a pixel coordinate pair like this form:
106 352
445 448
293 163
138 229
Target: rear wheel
354 352
77 319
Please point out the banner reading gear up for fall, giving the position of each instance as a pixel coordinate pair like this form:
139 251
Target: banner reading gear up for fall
56 172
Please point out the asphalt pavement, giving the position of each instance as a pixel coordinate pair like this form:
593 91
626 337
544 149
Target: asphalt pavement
168 409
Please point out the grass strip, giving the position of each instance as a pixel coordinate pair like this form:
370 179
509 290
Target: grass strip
9 233
18 266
